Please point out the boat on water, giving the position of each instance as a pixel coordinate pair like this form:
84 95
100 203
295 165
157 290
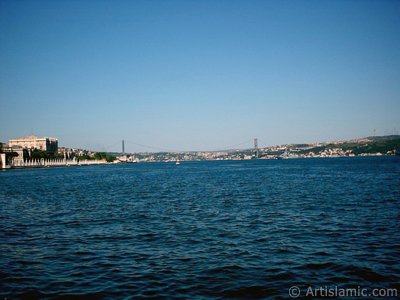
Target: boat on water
178 162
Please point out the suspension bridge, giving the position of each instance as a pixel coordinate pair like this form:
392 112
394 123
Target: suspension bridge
128 146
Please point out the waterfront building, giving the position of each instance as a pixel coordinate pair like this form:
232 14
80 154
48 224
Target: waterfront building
48 144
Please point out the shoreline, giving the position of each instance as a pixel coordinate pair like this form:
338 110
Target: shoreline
187 161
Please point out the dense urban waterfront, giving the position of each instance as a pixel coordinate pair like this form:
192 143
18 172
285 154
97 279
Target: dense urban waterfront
204 230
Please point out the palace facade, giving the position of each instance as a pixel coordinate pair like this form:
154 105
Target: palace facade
48 144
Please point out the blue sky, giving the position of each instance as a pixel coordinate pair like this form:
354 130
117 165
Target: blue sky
198 75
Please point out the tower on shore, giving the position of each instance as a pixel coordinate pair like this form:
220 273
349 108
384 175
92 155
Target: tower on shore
123 147
256 147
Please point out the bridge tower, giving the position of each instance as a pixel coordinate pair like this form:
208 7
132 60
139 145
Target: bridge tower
256 147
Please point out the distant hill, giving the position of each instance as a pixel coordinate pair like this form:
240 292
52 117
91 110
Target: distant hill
363 146
373 144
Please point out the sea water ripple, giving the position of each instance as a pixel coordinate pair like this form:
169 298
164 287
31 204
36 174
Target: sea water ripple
202 230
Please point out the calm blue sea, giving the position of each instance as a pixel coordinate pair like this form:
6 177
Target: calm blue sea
202 230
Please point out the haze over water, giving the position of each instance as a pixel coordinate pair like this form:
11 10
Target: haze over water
229 229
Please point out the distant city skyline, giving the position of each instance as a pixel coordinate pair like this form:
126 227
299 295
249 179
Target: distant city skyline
198 75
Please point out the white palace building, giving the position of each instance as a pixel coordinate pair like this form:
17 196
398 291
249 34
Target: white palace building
19 151
48 144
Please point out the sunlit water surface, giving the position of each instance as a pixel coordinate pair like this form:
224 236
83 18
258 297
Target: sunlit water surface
231 229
